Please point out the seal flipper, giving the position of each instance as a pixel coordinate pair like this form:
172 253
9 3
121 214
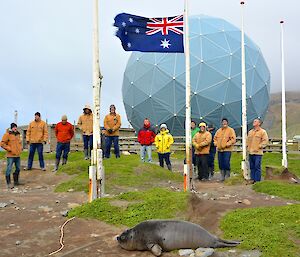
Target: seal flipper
226 243
155 249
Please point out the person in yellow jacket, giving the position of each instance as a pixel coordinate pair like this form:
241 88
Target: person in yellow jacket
257 140
224 140
112 124
85 124
11 142
36 136
163 142
201 142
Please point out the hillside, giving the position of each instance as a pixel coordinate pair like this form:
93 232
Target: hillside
273 118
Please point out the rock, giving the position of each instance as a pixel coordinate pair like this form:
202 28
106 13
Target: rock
73 205
192 255
232 251
3 205
57 201
45 208
18 242
246 202
185 252
64 213
11 201
204 252
71 190
289 203
204 195
126 153
94 235
272 196
17 208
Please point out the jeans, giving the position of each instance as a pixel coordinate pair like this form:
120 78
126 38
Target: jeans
164 157
148 149
211 160
255 166
10 162
202 166
108 142
33 147
88 142
62 148
224 160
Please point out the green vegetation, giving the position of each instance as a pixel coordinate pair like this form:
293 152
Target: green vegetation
275 231
155 203
282 189
121 175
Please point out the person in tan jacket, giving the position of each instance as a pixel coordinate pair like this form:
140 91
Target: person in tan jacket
36 136
257 140
112 124
85 124
201 142
224 140
11 142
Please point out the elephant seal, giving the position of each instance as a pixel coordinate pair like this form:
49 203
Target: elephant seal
167 235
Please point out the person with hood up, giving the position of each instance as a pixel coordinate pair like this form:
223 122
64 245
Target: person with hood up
112 124
36 136
85 124
201 142
11 142
224 140
163 142
64 132
146 137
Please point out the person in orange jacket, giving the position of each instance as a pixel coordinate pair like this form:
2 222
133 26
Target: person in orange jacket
112 124
64 132
11 142
36 136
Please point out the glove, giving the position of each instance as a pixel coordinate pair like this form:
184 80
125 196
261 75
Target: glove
110 131
45 142
27 142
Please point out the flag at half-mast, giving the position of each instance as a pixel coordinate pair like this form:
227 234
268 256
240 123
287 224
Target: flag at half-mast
150 34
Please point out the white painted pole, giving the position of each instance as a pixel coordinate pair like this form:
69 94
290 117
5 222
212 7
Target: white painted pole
96 160
283 103
244 98
188 147
92 184
16 117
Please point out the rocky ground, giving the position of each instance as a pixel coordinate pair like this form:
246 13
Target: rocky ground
32 214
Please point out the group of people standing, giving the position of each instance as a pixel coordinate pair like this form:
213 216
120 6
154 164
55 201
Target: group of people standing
37 136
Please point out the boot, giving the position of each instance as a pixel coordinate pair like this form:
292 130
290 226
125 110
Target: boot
222 175
169 167
89 153
227 173
9 186
86 156
56 165
64 162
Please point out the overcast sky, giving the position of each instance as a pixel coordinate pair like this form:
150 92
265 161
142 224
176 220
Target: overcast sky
46 49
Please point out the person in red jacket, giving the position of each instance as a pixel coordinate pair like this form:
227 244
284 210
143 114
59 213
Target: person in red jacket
64 132
146 137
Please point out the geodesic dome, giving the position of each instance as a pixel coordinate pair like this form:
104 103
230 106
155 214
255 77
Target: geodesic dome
154 83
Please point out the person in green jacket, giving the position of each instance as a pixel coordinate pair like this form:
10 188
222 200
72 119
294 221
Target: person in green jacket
195 129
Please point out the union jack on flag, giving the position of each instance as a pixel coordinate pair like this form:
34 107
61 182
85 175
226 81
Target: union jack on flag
150 34
164 25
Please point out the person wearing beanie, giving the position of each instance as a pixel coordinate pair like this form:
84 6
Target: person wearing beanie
11 142
194 131
212 151
85 124
224 140
112 124
146 138
36 136
64 132
201 142
163 142
257 140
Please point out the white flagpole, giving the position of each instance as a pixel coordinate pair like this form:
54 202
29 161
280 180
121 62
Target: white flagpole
284 154
188 147
244 98
96 160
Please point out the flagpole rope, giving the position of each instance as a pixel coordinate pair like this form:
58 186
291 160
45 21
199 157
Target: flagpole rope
61 241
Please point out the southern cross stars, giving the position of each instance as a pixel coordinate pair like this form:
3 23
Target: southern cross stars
165 43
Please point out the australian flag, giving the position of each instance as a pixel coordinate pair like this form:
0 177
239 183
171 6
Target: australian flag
150 34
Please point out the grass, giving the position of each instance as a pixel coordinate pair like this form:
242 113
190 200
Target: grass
282 189
155 203
275 231
122 174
